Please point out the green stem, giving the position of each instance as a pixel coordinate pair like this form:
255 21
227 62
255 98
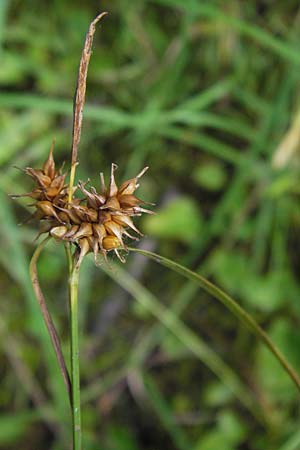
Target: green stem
71 182
69 256
231 304
75 374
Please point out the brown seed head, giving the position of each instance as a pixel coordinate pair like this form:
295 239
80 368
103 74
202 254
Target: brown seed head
98 222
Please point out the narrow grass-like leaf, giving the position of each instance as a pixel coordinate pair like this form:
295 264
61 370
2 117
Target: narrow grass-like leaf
98 387
234 126
230 304
208 96
58 106
19 130
204 142
193 342
248 99
47 317
14 260
293 443
13 426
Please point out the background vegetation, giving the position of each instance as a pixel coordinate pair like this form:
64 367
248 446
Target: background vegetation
207 94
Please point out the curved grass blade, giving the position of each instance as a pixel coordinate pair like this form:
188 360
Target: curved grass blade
229 303
13 260
193 342
46 315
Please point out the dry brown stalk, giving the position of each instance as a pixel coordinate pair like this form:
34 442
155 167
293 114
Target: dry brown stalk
79 97
47 317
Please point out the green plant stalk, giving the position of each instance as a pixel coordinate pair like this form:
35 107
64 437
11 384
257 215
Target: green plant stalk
75 374
229 303
69 257
71 182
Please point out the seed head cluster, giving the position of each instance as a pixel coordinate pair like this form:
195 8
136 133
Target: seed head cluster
96 221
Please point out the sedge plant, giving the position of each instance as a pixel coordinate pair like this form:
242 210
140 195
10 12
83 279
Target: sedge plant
86 220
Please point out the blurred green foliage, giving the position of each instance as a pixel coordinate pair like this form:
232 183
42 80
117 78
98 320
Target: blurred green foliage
207 94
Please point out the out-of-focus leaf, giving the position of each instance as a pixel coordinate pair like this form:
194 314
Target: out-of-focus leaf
181 220
210 176
266 292
231 426
120 438
269 292
286 181
194 343
217 394
227 435
13 426
172 346
17 130
273 380
166 416
293 443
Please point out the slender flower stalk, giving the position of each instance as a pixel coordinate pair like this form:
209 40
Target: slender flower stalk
74 266
75 370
